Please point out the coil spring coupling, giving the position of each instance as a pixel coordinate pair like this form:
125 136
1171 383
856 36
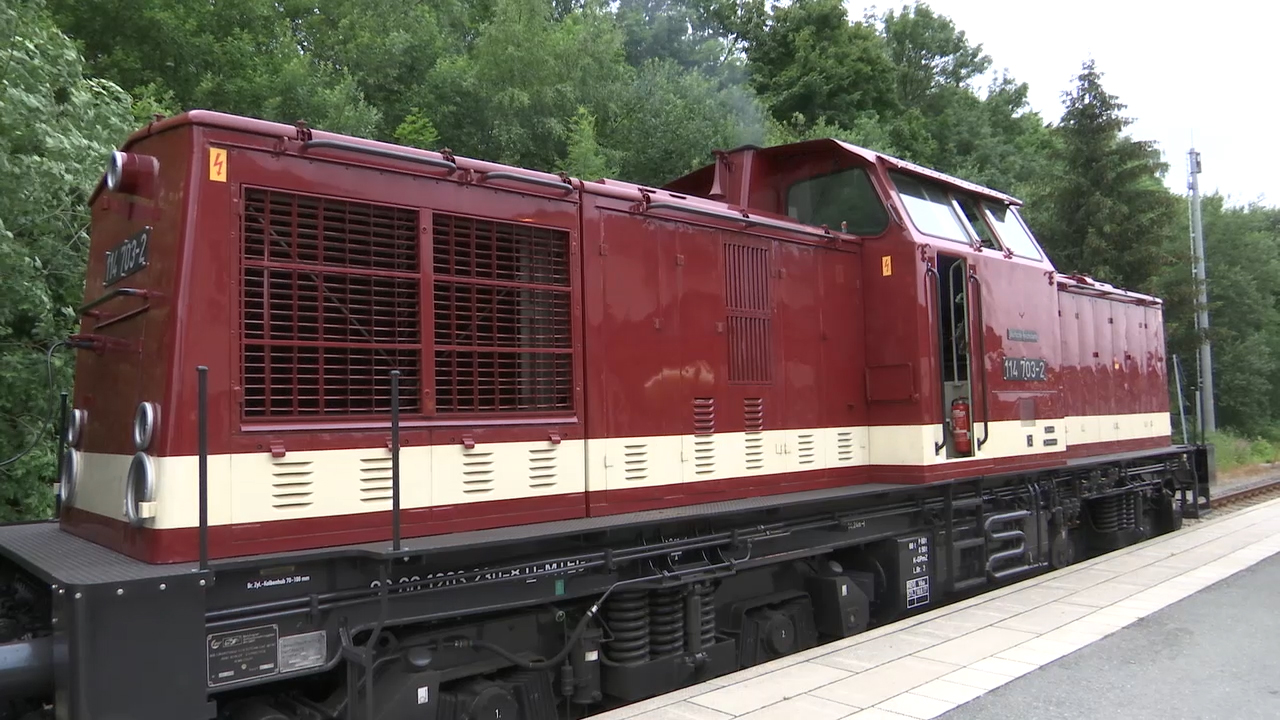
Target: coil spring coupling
1107 513
627 615
707 599
666 611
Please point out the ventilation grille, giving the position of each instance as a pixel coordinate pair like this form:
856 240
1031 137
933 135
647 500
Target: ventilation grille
704 454
844 446
635 461
329 305
477 471
543 471
755 450
806 448
502 317
704 416
753 413
291 484
375 480
748 310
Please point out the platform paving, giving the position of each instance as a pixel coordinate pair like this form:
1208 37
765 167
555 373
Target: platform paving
927 665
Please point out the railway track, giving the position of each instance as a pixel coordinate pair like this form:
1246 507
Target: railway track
1246 494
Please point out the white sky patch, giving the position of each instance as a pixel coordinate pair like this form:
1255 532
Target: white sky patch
1188 73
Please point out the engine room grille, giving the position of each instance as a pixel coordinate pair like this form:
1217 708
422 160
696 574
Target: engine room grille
503 338
330 305
748 310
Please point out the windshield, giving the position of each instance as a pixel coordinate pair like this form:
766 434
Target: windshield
846 196
1011 230
930 208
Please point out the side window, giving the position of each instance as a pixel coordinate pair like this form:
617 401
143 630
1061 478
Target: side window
1011 230
978 223
846 196
930 208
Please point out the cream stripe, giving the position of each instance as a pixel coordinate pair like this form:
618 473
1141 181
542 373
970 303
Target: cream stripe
256 487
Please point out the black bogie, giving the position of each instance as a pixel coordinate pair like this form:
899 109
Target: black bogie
579 623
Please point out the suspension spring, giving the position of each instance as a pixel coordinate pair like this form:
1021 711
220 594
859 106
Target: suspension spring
1107 513
707 594
666 630
1131 510
627 614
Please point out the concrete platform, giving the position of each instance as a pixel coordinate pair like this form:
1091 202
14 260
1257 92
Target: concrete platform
929 665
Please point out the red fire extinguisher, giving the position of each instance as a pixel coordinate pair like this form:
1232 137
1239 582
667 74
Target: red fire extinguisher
960 425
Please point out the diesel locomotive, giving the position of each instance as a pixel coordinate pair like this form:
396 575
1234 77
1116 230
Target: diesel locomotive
362 431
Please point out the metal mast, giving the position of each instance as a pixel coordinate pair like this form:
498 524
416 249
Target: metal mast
1202 299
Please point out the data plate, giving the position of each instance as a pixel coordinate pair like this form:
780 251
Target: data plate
241 655
128 257
299 652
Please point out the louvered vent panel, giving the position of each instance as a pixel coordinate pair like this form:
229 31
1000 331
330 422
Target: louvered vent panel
704 416
754 450
748 310
329 306
753 413
844 445
502 317
635 461
375 480
806 448
477 471
291 484
543 471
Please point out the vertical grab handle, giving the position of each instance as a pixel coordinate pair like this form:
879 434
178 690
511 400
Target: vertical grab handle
982 353
931 271
202 430
395 460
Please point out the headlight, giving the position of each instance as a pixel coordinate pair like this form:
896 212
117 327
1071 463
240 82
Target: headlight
70 475
115 170
140 490
144 425
75 426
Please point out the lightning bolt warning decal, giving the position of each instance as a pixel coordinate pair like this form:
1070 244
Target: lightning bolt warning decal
218 164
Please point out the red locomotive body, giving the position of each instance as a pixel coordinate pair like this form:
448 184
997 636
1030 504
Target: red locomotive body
791 318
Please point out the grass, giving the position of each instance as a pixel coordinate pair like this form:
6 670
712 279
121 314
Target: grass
1233 451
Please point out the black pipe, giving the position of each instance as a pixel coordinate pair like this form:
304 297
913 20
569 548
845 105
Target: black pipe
203 415
395 460
26 668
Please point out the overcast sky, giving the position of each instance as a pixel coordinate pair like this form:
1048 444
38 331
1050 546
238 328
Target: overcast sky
1188 72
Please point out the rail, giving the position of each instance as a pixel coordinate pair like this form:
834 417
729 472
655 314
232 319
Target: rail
202 413
381 152
118 292
982 353
561 185
741 218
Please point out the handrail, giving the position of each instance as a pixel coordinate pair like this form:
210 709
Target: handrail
982 352
532 180
930 270
395 460
734 217
381 152
118 292
202 434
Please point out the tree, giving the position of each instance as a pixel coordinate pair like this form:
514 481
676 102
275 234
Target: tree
808 59
238 56
1106 212
57 128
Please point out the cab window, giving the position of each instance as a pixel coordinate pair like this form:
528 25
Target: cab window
846 196
1011 230
930 208
977 222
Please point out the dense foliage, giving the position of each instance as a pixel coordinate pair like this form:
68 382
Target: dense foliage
638 89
